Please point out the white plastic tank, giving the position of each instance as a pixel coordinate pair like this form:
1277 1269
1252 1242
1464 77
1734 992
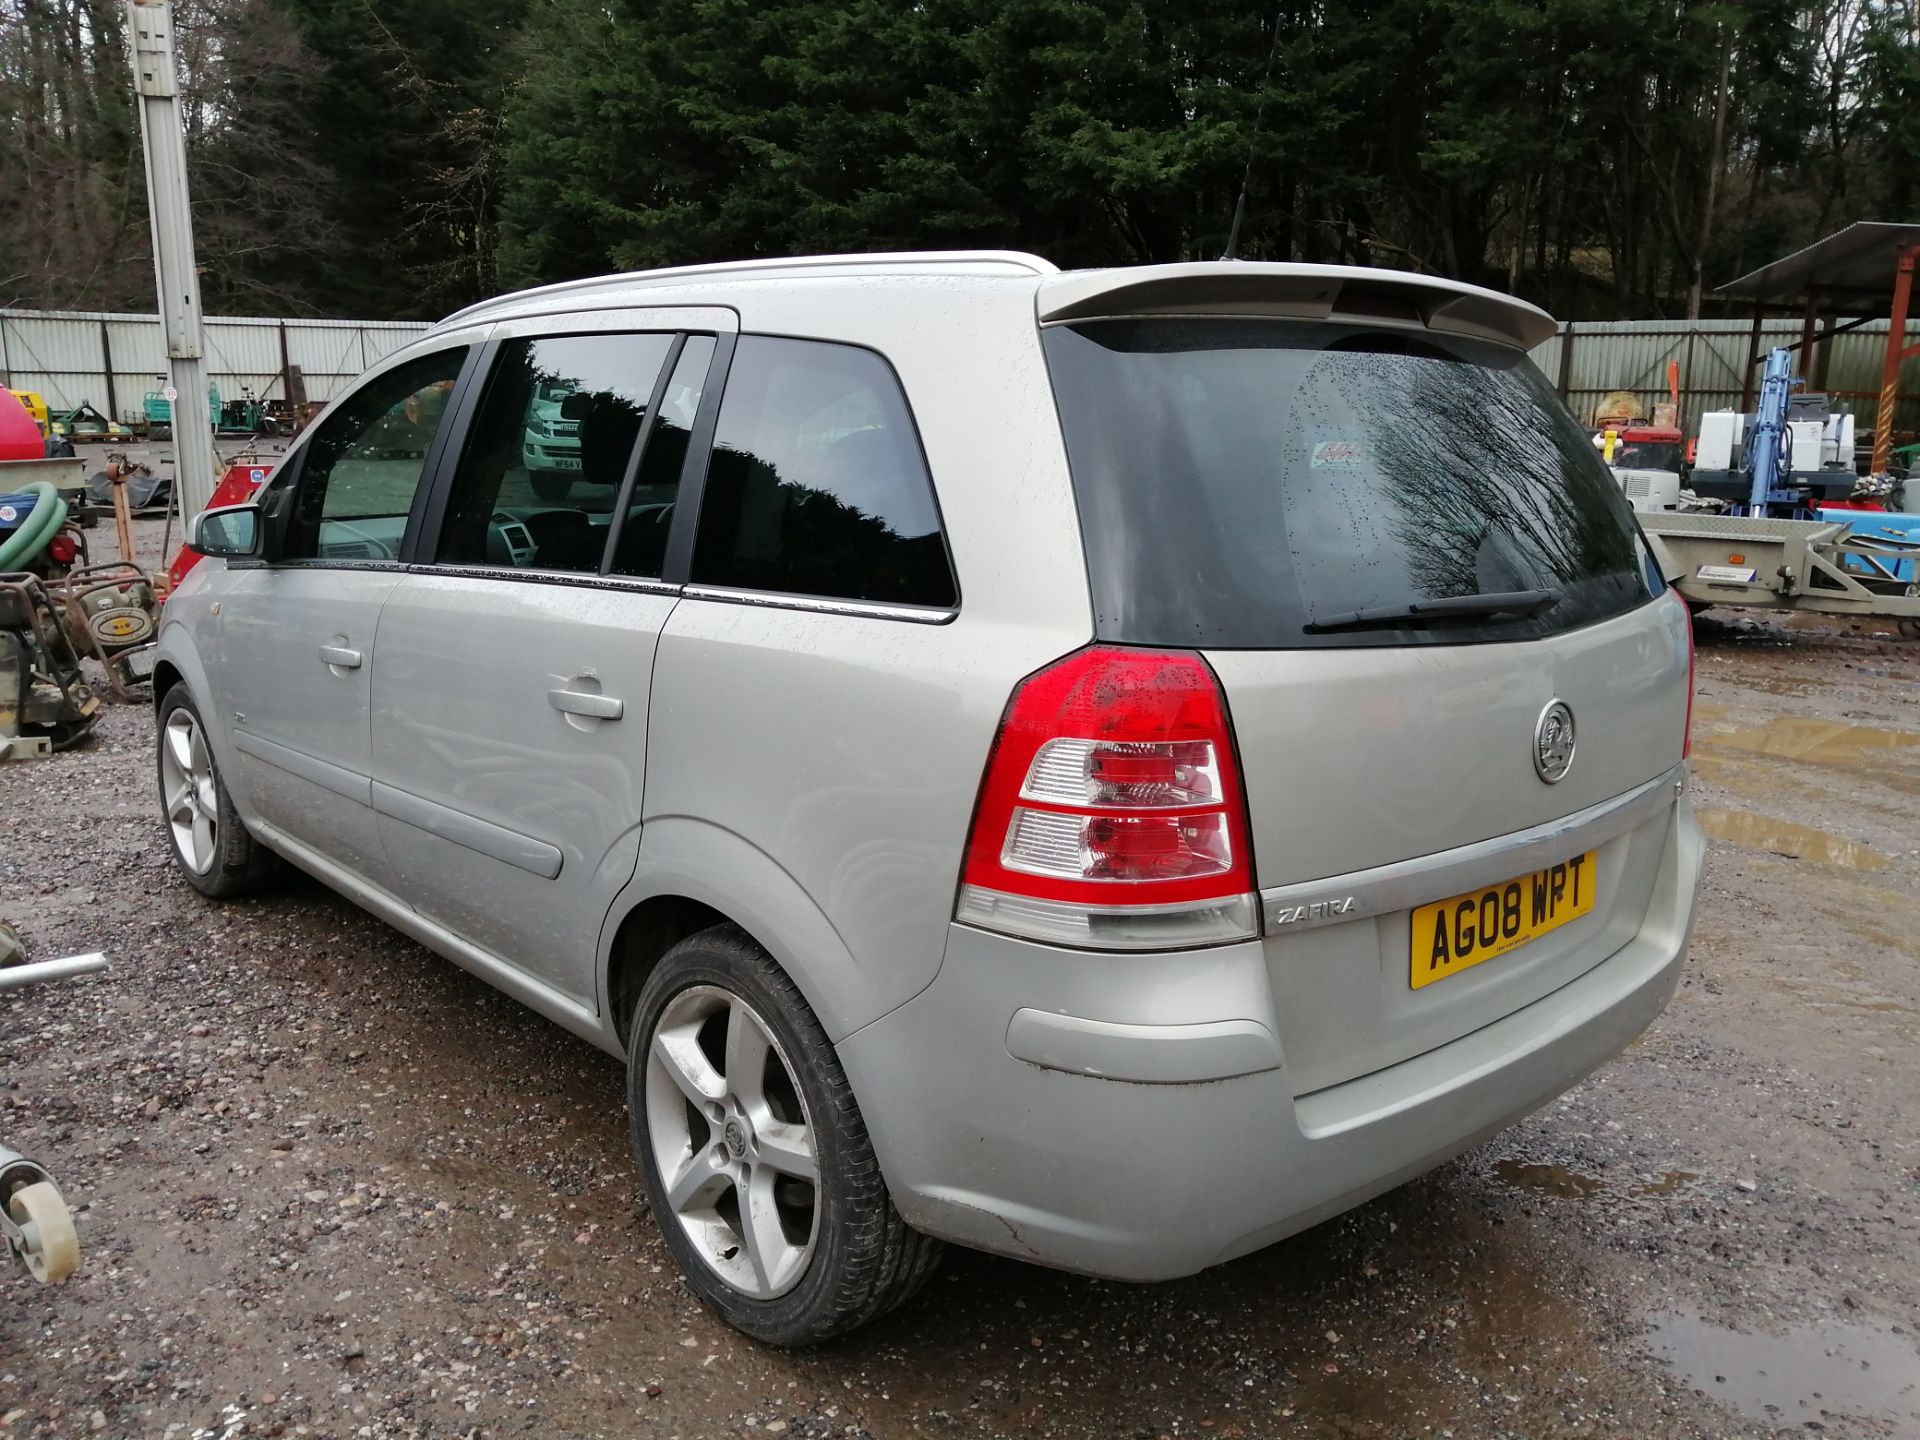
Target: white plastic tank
1720 434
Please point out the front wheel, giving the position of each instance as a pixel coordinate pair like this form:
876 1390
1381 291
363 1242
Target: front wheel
210 843
757 1163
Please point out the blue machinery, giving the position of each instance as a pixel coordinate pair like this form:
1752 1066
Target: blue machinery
1767 449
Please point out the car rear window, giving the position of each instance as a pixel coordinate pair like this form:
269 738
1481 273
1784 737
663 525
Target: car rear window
1274 484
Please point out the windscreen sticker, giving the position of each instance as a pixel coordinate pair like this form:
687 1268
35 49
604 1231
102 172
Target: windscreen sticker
1337 452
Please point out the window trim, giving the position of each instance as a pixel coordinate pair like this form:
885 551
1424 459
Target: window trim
679 566
430 503
821 604
624 583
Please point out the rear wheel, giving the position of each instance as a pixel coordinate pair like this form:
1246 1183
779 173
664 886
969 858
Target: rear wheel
210 843
758 1166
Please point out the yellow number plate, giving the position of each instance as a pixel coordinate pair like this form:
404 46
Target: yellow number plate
1453 935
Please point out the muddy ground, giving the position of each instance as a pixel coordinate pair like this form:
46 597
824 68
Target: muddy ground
332 1186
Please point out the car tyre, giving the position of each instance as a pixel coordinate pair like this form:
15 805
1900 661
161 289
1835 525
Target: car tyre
551 486
718 1019
208 839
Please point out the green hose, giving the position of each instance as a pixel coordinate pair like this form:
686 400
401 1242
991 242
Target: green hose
43 522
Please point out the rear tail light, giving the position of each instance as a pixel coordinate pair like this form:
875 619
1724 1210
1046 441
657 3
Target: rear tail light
61 549
1111 814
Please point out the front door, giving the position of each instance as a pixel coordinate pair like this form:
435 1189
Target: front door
512 674
297 632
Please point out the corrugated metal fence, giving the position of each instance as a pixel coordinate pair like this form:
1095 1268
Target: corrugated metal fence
1589 360
111 361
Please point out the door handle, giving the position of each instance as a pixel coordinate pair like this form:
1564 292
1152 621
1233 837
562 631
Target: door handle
340 657
578 702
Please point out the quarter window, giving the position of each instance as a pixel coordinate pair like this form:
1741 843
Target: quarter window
817 485
356 485
549 450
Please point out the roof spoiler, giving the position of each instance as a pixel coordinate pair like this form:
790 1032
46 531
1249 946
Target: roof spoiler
1307 292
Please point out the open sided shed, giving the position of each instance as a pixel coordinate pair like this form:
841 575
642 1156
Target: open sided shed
1865 270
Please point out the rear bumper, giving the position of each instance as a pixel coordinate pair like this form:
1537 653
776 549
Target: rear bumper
1151 1128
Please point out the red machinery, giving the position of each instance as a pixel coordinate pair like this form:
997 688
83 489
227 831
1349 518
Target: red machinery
236 487
19 436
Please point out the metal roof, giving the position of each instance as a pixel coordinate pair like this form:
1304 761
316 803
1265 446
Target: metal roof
1856 263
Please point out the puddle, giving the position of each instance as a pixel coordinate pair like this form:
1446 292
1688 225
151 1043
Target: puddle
1550 1179
1782 837
1671 1183
1811 1371
1823 742
1790 685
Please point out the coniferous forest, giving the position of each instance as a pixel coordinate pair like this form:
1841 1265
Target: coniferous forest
398 158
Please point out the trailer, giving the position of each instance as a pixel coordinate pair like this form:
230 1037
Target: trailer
1818 565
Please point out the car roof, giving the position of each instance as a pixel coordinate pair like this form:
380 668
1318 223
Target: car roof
1220 287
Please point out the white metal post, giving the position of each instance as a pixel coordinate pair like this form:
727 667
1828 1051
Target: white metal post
156 86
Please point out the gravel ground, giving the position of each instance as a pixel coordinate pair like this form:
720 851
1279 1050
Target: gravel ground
330 1185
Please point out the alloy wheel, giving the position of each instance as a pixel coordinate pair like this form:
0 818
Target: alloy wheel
188 791
732 1141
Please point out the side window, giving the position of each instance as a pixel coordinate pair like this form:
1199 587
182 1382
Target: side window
817 485
364 463
642 546
549 450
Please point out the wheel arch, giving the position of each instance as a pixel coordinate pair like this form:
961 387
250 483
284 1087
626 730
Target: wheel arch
693 874
166 675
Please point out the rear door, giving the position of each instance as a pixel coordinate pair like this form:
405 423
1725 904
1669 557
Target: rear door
1448 660
515 660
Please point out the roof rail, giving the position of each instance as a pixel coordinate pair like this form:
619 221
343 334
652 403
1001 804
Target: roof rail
1015 261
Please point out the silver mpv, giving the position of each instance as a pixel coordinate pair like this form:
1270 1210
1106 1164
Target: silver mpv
1110 768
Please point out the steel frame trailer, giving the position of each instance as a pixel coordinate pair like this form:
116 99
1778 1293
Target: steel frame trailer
1787 565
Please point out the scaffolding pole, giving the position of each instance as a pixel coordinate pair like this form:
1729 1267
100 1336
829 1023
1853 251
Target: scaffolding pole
157 91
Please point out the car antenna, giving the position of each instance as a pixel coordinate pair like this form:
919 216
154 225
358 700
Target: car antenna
1259 116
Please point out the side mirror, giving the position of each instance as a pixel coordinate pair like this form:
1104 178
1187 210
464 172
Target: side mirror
578 405
231 532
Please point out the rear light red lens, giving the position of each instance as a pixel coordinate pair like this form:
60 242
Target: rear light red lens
61 549
1112 783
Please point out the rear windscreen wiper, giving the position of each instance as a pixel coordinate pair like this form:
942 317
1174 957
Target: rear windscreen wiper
1453 607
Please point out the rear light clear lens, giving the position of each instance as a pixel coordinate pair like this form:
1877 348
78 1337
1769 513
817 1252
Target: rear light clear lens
1118 847
1111 814
1128 774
